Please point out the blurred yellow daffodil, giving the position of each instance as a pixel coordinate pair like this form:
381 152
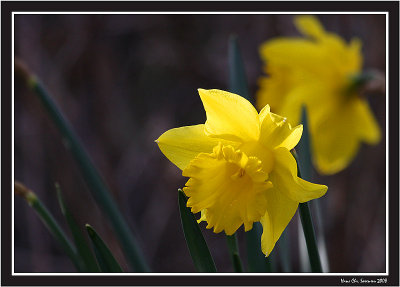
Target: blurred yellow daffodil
319 72
240 167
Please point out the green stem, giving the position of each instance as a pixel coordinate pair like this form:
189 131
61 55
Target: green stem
256 260
304 167
316 207
308 228
303 253
269 267
97 186
237 75
272 262
284 250
309 235
234 252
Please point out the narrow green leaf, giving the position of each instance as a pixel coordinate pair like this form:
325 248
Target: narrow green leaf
198 248
49 221
272 262
315 206
237 85
97 186
309 235
106 260
305 166
81 245
256 260
308 227
305 266
237 75
284 250
234 252
304 149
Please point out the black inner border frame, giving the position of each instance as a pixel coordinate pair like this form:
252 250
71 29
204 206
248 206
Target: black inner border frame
7 7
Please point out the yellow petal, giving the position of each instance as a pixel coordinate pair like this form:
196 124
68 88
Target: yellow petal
228 187
272 90
265 111
354 57
202 216
302 56
297 78
309 95
337 53
309 26
267 237
340 134
335 147
276 132
229 116
368 127
284 178
181 145
280 210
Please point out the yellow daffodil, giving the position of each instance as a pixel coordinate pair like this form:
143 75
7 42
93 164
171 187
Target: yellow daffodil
320 73
240 167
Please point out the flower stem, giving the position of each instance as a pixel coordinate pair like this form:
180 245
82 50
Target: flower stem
234 252
308 228
309 234
284 250
237 73
316 207
304 171
256 260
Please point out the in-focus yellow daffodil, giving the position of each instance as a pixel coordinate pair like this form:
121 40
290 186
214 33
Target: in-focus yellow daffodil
240 167
319 72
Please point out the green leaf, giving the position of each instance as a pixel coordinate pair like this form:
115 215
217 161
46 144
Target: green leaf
305 166
234 252
51 224
256 260
284 250
198 249
309 235
303 159
304 149
106 260
97 186
81 245
237 75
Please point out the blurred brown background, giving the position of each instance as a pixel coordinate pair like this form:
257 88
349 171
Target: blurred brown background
122 80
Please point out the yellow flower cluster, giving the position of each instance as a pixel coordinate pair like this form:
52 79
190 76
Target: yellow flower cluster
239 164
319 72
240 167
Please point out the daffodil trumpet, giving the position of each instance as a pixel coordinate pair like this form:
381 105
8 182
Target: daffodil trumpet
239 166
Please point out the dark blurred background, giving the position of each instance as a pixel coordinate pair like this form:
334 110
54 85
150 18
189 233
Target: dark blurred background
122 80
